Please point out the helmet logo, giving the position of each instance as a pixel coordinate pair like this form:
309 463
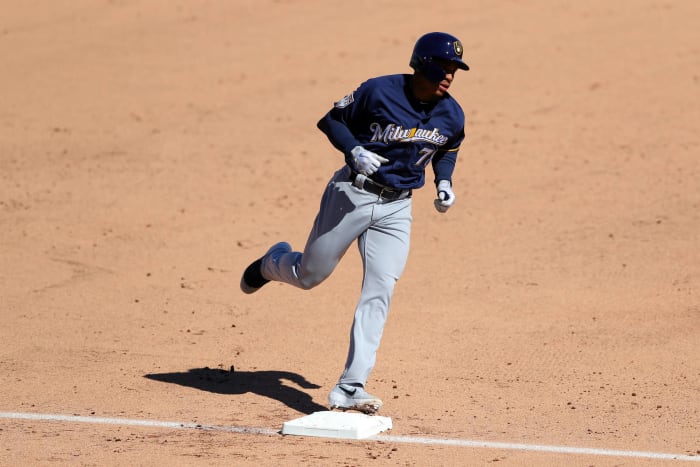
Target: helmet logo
458 48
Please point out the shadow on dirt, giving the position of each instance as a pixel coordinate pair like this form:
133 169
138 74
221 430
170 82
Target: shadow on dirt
265 383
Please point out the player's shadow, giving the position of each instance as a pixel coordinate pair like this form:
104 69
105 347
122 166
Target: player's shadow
265 383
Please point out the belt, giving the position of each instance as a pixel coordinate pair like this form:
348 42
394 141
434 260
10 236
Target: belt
382 191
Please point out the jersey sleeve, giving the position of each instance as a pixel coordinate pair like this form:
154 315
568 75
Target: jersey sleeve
446 158
339 123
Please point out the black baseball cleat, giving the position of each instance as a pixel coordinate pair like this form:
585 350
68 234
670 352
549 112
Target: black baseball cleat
252 278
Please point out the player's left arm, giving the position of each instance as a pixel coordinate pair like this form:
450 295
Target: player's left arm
443 166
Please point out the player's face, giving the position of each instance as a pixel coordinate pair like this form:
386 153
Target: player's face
450 69
427 90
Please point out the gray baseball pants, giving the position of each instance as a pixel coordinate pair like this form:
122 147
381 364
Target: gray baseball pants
382 230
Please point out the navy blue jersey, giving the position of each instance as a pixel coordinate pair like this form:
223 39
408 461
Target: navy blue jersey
383 116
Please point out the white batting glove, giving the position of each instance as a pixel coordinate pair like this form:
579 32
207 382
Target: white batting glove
366 162
446 196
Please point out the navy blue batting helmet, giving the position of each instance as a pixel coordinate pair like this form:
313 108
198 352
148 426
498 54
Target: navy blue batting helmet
436 45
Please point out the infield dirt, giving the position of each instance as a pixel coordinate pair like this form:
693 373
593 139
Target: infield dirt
149 150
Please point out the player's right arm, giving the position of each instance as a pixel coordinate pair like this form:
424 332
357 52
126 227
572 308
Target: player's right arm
336 127
357 157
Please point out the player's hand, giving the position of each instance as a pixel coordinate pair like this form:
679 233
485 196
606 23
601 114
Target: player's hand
446 196
366 162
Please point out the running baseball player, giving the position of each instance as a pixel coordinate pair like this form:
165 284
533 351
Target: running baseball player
389 130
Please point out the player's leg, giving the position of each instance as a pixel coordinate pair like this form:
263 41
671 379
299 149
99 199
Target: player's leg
384 249
344 214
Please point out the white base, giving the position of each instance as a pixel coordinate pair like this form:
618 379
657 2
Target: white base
347 425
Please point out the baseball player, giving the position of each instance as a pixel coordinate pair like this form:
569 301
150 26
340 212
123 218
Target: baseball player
389 130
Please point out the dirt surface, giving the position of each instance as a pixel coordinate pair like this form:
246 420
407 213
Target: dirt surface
150 150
